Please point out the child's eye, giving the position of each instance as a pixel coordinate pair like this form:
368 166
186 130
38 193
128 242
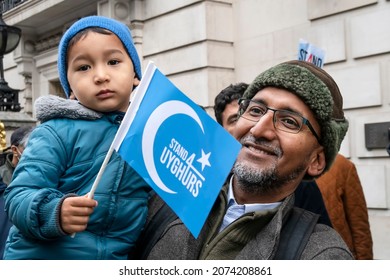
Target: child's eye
83 68
113 62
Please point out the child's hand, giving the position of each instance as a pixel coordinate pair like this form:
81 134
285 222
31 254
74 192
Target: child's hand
75 212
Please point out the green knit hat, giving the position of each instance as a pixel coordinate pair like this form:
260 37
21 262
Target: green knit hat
318 91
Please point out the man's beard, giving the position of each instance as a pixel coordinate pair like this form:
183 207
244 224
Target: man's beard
267 180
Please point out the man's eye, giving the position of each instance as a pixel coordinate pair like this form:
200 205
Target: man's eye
233 119
290 122
256 111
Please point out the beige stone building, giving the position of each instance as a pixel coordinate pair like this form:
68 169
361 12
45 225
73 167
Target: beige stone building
203 46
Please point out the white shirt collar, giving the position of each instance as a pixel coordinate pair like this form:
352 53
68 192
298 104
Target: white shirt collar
252 207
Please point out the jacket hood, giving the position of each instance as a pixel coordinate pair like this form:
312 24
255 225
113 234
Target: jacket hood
51 107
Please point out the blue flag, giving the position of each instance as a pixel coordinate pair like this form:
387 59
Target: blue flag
179 150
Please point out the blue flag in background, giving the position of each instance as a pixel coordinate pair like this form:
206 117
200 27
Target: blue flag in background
310 53
179 150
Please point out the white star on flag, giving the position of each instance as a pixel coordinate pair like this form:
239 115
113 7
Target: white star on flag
204 160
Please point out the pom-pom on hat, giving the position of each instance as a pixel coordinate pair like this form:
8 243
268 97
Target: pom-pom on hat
317 89
116 27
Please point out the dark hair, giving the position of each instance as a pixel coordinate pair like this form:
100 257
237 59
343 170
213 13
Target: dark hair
226 96
19 134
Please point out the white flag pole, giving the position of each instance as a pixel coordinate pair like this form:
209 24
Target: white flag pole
99 175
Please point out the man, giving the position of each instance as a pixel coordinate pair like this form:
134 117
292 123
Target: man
344 197
5 224
307 195
291 126
18 142
226 105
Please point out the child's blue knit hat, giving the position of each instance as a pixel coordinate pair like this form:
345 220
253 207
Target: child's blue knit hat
118 28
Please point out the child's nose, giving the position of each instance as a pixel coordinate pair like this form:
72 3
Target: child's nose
101 75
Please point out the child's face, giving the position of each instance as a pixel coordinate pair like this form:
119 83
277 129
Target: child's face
101 73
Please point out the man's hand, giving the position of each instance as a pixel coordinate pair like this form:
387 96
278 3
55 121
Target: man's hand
75 212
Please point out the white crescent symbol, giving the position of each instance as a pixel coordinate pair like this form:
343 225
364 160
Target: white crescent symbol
159 115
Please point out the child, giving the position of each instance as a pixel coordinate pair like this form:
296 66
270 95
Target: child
47 199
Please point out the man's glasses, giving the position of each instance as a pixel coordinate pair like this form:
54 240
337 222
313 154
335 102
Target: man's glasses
283 120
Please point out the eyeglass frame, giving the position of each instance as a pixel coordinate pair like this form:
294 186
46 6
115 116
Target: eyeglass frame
305 121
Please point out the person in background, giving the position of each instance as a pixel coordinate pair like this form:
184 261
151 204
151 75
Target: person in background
5 223
18 142
226 105
290 125
47 200
307 195
344 198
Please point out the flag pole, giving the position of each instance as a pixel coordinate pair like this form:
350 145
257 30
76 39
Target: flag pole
99 176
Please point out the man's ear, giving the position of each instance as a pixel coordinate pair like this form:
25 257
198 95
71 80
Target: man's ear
15 152
317 162
14 149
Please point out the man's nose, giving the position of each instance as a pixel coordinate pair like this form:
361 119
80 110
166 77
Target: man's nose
264 127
